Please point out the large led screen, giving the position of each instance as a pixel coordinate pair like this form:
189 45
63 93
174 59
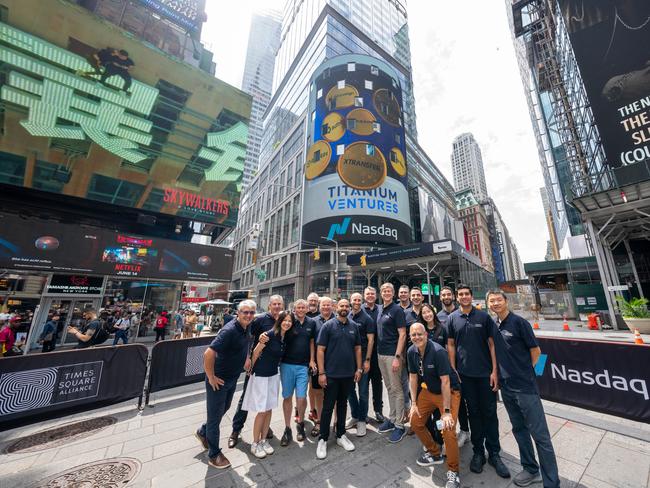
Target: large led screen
355 168
611 42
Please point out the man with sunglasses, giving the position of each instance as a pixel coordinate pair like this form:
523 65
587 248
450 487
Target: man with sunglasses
433 385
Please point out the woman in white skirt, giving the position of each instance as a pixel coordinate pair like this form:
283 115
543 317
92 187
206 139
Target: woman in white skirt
263 388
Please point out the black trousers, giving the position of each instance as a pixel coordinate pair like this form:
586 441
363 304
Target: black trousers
111 70
375 381
240 417
463 421
160 334
482 410
48 346
336 393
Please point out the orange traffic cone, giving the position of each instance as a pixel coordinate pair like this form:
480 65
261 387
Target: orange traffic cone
565 325
637 337
536 326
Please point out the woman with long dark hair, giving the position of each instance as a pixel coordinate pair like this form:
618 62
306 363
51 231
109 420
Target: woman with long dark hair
434 328
263 388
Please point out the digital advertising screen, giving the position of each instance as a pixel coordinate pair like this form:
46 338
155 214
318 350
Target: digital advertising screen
611 42
355 168
64 248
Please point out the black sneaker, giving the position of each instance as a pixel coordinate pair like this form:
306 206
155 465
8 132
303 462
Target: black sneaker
501 469
300 431
476 464
269 434
286 437
427 459
380 418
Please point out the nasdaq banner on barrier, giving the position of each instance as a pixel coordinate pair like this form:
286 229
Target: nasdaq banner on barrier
44 384
606 377
355 166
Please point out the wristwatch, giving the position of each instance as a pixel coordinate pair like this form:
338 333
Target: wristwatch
447 410
367 359
397 356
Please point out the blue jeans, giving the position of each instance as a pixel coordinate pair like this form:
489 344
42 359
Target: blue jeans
527 418
121 334
359 406
217 402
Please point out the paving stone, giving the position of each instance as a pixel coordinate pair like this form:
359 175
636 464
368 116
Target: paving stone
577 443
618 466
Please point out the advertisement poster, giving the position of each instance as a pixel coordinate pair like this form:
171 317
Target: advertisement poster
64 248
611 42
356 160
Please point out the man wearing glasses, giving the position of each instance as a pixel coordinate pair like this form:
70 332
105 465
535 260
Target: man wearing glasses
471 353
433 385
223 361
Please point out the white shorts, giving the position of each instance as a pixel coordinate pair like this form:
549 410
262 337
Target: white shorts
262 393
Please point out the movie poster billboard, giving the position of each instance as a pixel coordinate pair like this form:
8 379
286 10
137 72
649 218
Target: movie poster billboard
611 42
65 248
435 222
355 168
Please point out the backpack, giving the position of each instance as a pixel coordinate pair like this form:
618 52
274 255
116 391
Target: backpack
101 334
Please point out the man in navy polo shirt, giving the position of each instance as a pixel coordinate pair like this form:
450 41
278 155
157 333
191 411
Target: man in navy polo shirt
471 353
367 330
261 324
391 342
299 357
371 308
517 352
223 361
316 399
313 303
339 367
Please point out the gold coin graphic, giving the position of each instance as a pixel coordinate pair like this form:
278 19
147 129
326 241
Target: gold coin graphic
361 122
387 106
318 157
397 161
333 127
362 166
341 97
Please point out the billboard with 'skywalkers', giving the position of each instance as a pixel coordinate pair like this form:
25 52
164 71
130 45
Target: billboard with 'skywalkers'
355 168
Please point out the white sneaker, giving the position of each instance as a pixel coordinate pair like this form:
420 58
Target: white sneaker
268 449
321 449
351 423
258 450
345 443
462 438
361 429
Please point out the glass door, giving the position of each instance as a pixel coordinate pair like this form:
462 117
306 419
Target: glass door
75 317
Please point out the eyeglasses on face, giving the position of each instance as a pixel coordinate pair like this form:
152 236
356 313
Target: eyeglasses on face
247 312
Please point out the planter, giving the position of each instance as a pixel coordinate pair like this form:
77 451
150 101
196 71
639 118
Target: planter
642 324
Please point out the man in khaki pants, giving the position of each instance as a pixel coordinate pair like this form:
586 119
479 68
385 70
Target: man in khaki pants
391 339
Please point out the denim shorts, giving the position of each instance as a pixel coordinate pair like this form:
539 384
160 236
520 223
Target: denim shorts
294 377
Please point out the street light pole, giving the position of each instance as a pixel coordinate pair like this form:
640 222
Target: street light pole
336 264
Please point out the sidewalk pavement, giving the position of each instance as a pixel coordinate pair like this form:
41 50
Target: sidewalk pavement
593 451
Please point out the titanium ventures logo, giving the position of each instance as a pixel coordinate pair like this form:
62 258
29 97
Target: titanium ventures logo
339 229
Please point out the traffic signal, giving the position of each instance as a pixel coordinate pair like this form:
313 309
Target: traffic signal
316 254
363 260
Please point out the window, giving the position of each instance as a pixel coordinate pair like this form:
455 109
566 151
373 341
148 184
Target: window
112 190
275 268
277 230
12 169
283 267
271 240
292 263
285 226
50 177
295 220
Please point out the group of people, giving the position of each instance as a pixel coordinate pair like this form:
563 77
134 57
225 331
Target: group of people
440 369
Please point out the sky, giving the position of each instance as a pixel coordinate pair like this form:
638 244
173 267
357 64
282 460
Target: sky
465 78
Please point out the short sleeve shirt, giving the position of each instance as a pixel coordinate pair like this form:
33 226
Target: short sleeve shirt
269 359
431 366
470 333
8 337
231 346
443 315
313 315
320 320
366 326
389 320
261 323
438 335
339 340
89 329
513 346
298 340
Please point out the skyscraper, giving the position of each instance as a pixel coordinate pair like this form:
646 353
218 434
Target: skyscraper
263 42
467 166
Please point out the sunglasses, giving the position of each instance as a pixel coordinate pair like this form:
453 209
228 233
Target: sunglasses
248 313
420 367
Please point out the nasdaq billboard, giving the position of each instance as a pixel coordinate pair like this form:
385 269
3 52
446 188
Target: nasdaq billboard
355 167
611 42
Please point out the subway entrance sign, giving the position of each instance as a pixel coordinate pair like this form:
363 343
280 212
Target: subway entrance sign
425 289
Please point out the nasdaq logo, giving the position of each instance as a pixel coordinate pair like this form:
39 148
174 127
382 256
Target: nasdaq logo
541 364
339 229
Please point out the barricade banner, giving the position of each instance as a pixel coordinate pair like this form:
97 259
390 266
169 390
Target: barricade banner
608 377
177 363
63 381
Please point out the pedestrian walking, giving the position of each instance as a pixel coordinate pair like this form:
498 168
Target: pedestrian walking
121 326
48 336
161 326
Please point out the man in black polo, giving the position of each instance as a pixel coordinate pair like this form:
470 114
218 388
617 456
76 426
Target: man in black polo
403 296
299 357
313 303
261 324
371 308
448 301
367 330
471 353
223 362
413 312
316 398
339 367
391 342
517 352
411 315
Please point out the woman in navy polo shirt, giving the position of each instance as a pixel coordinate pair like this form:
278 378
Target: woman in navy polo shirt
264 384
434 328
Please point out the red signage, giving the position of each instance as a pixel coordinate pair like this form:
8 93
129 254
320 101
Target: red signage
187 199
194 299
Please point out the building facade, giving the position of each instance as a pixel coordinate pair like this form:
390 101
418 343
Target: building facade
475 221
467 166
104 192
257 81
